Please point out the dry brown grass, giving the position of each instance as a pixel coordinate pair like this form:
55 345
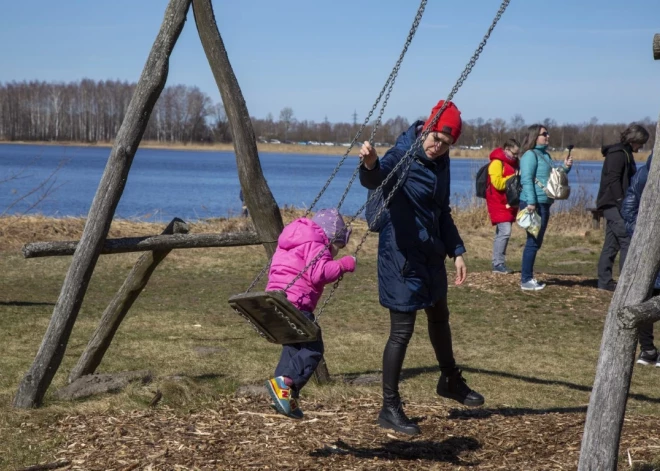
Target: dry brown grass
577 154
16 231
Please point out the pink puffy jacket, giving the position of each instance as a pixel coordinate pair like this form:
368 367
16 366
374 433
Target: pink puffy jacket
300 242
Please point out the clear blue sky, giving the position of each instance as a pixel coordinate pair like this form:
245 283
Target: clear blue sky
565 59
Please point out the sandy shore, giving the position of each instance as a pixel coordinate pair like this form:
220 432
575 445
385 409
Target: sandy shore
265 149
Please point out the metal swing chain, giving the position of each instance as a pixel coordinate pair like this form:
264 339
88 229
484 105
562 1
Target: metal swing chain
259 276
408 161
407 157
391 175
388 83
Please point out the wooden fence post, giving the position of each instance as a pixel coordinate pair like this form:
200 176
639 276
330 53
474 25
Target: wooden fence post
152 81
117 309
261 204
607 404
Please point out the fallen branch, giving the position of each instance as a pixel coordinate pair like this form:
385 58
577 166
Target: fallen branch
273 416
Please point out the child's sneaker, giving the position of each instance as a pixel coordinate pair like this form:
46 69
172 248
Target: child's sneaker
296 412
283 401
502 269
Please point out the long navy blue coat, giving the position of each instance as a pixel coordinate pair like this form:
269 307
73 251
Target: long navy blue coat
419 232
630 205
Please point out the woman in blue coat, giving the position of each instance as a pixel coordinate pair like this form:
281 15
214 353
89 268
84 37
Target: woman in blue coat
416 235
535 167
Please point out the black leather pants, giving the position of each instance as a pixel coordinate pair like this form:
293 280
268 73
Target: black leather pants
402 325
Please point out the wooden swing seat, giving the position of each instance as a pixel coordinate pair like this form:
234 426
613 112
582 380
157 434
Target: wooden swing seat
274 317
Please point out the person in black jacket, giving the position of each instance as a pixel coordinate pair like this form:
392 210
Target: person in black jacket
618 168
629 210
416 235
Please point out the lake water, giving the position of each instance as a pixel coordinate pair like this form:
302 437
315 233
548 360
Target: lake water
195 185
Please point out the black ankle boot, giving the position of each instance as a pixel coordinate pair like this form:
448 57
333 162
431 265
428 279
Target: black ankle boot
452 385
392 416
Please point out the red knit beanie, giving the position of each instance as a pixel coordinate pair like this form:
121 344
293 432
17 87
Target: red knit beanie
449 121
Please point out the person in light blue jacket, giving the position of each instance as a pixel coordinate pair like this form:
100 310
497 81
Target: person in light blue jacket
535 166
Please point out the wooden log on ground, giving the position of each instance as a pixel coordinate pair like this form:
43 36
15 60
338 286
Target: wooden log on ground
607 404
656 47
150 85
116 311
141 244
261 204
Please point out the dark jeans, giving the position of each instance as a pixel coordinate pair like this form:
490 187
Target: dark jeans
533 244
616 240
645 331
299 360
402 325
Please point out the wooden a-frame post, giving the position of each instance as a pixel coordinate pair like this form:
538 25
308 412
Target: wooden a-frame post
152 81
262 205
607 405
120 304
260 202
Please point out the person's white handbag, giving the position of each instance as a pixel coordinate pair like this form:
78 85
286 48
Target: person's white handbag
557 187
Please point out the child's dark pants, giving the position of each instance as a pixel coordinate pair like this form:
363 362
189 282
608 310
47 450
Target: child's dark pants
299 360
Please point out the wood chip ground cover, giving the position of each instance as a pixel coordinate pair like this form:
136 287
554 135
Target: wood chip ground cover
244 434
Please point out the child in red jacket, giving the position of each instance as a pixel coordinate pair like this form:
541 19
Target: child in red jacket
503 164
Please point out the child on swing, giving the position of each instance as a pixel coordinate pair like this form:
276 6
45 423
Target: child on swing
299 244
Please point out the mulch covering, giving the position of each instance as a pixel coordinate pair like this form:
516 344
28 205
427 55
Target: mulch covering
241 433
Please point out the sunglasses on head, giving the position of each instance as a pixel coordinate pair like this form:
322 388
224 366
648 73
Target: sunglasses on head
544 134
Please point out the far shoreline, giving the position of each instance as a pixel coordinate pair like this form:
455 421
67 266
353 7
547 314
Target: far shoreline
581 154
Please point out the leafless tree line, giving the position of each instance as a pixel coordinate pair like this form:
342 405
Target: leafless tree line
90 111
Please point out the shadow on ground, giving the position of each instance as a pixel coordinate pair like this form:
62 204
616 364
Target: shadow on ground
408 373
448 450
24 303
